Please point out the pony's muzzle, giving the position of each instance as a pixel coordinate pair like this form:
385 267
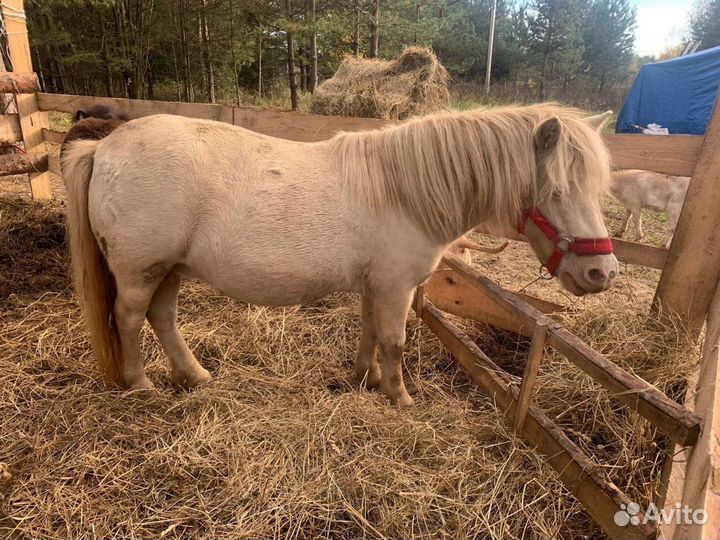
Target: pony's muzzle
588 274
600 277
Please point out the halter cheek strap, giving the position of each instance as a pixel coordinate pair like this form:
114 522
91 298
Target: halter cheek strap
563 244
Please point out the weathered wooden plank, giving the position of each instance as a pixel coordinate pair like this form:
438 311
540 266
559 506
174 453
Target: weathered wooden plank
692 271
662 412
10 130
695 476
453 294
669 154
301 127
285 125
640 254
53 136
532 366
32 120
668 416
135 108
508 301
625 250
584 479
54 165
18 83
23 163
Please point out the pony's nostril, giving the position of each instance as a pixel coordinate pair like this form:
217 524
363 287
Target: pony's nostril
612 275
597 276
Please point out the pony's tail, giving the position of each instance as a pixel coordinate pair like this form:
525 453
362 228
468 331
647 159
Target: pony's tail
94 283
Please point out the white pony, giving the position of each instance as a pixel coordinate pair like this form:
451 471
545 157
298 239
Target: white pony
275 222
647 189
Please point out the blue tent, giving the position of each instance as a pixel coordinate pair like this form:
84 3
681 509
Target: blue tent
677 94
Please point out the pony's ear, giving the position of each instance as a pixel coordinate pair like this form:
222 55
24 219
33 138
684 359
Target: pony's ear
80 114
547 134
599 120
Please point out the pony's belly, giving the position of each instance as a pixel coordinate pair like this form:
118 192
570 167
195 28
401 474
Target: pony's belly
276 293
271 287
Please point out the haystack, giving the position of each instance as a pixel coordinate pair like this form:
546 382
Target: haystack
414 84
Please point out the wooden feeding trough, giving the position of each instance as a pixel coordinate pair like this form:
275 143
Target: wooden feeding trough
688 285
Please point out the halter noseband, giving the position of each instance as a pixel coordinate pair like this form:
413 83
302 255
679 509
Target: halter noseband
563 244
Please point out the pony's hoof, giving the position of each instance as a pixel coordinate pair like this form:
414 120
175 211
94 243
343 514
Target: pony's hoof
192 380
402 401
369 377
142 385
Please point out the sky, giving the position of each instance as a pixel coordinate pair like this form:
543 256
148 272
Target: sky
661 23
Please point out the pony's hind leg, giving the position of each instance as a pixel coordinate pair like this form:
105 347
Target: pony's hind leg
367 368
673 212
162 315
623 223
131 305
637 216
390 312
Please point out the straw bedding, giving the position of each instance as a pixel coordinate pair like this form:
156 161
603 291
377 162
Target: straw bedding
413 84
283 443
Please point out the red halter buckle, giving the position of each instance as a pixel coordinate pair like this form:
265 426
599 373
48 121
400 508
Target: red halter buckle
563 244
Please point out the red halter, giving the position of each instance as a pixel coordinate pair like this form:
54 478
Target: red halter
563 244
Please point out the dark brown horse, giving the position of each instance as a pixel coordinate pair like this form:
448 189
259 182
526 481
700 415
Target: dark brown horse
94 123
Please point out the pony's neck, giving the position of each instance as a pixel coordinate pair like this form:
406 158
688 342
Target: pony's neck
448 172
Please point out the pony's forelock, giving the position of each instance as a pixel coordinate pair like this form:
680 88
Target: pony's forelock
449 169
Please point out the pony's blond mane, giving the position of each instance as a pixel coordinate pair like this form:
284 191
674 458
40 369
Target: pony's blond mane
450 171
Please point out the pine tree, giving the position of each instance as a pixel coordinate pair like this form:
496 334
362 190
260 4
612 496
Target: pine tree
555 27
609 37
705 23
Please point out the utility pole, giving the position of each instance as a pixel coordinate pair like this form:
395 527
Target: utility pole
490 48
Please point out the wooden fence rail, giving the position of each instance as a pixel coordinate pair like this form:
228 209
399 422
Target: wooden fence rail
669 154
625 250
668 416
10 130
18 83
30 162
584 478
284 125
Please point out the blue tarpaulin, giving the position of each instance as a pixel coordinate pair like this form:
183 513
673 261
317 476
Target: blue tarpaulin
677 94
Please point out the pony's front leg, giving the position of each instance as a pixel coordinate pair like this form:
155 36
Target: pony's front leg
390 310
367 368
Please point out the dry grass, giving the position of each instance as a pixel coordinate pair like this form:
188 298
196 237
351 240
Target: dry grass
413 84
283 443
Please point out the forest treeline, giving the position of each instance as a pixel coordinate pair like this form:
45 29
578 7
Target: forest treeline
247 50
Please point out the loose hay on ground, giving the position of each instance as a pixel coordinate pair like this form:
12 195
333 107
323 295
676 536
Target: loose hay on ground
282 443
414 84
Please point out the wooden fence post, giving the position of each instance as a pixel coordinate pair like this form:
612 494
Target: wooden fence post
527 386
692 269
32 120
695 476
